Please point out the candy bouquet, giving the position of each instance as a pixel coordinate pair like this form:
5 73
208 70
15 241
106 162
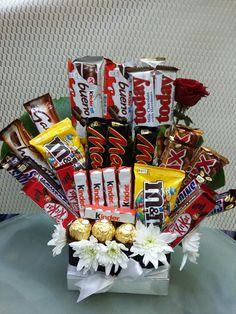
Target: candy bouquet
122 173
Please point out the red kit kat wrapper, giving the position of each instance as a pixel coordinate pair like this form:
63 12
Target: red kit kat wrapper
191 213
42 197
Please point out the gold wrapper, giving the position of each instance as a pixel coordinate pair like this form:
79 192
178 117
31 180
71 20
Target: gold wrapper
125 233
103 230
80 229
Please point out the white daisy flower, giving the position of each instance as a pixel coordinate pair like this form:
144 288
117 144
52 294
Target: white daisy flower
113 255
58 240
152 244
190 246
88 252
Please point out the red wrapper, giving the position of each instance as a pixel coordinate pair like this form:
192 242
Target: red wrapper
46 200
191 213
65 175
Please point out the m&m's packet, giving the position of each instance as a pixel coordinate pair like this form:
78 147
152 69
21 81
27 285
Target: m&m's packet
155 192
60 145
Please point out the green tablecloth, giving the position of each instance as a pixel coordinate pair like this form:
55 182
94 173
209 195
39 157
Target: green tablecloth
32 281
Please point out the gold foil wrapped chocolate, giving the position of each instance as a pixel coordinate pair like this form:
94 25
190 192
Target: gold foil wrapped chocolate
125 233
103 230
80 229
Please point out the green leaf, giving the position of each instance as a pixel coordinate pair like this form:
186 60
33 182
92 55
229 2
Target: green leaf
218 180
62 107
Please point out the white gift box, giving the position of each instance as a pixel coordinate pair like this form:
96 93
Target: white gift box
147 281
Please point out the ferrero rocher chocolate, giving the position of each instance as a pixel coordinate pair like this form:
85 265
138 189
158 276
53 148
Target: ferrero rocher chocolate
125 233
103 230
80 229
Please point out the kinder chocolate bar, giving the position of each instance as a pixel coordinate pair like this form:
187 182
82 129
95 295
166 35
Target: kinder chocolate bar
224 202
125 187
119 144
96 185
46 200
144 108
126 215
85 90
82 189
155 192
18 139
65 175
117 91
96 144
60 144
191 213
110 186
177 155
42 112
145 145
184 135
206 163
164 94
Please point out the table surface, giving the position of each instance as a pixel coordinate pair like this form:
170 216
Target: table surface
32 281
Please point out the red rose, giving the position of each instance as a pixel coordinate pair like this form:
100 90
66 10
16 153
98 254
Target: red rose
189 92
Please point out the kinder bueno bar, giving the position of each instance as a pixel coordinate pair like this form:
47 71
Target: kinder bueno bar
82 190
96 185
177 155
110 186
117 91
184 135
17 138
145 145
119 144
206 163
96 144
144 108
42 112
125 215
191 213
125 186
65 175
224 201
47 178
164 94
46 200
85 90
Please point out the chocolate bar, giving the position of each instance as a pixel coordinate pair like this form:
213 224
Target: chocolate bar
119 144
224 202
42 112
82 189
125 187
46 200
184 135
145 145
96 185
17 138
117 91
96 144
115 214
164 94
110 187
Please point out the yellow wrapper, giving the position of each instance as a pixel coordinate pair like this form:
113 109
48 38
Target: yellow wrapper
60 144
155 192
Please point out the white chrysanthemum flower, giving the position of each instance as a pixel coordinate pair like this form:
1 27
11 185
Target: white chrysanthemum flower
58 240
113 255
190 246
152 244
88 252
